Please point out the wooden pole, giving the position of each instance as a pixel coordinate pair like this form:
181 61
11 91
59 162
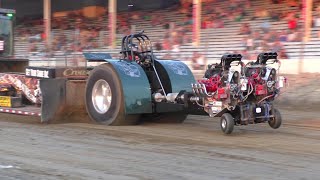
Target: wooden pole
47 21
112 23
308 19
196 22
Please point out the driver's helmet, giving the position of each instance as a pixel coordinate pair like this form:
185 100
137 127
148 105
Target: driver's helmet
134 47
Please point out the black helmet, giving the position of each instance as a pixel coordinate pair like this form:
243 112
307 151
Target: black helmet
133 46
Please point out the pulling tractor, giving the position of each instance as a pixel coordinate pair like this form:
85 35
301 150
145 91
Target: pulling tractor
138 86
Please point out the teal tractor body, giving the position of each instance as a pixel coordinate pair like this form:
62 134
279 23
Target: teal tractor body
134 86
122 91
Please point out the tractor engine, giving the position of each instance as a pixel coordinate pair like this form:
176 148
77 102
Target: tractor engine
214 87
260 80
259 86
214 93
211 84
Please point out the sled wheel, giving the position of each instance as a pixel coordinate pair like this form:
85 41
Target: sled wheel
104 97
276 121
227 123
177 117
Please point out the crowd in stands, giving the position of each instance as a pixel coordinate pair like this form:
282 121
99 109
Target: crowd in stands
255 40
265 38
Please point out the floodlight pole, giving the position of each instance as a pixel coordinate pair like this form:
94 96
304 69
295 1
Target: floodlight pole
112 23
47 21
196 22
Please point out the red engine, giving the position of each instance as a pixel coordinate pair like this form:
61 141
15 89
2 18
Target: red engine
258 83
213 85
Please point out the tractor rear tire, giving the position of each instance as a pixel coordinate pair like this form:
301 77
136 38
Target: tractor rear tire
276 121
227 123
104 97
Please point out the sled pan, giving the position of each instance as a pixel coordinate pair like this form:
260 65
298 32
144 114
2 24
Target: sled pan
63 101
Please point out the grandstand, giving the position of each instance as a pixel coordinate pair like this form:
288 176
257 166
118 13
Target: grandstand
214 41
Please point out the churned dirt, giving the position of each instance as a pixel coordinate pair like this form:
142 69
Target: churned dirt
196 149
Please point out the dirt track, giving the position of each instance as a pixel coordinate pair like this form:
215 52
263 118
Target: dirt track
196 149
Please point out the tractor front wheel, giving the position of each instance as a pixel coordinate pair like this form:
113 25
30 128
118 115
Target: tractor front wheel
276 121
227 123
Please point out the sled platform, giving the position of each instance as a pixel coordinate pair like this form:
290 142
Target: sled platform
28 110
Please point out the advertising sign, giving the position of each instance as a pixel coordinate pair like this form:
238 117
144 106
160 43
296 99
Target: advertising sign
5 101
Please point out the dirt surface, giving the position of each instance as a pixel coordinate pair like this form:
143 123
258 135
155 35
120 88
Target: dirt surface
302 92
196 149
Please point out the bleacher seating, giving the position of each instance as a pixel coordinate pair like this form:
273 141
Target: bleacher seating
214 42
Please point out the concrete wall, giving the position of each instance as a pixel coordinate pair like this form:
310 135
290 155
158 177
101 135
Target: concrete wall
294 66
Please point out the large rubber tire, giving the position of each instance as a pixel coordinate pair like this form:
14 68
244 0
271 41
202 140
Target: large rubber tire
177 117
276 121
227 123
115 115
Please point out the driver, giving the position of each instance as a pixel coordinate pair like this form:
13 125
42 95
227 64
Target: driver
136 53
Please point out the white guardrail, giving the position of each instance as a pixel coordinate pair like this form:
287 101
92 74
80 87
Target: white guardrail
288 66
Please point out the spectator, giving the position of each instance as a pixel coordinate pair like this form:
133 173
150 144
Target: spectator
292 3
265 46
316 21
198 61
283 36
273 36
244 41
245 29
238 15
265 26
279 48
167 56
275 1
250 43
247 4
318 9
257 35
295 36
158 46
245 55
166 44
275 15
219 23
292 23
260 13
176 49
